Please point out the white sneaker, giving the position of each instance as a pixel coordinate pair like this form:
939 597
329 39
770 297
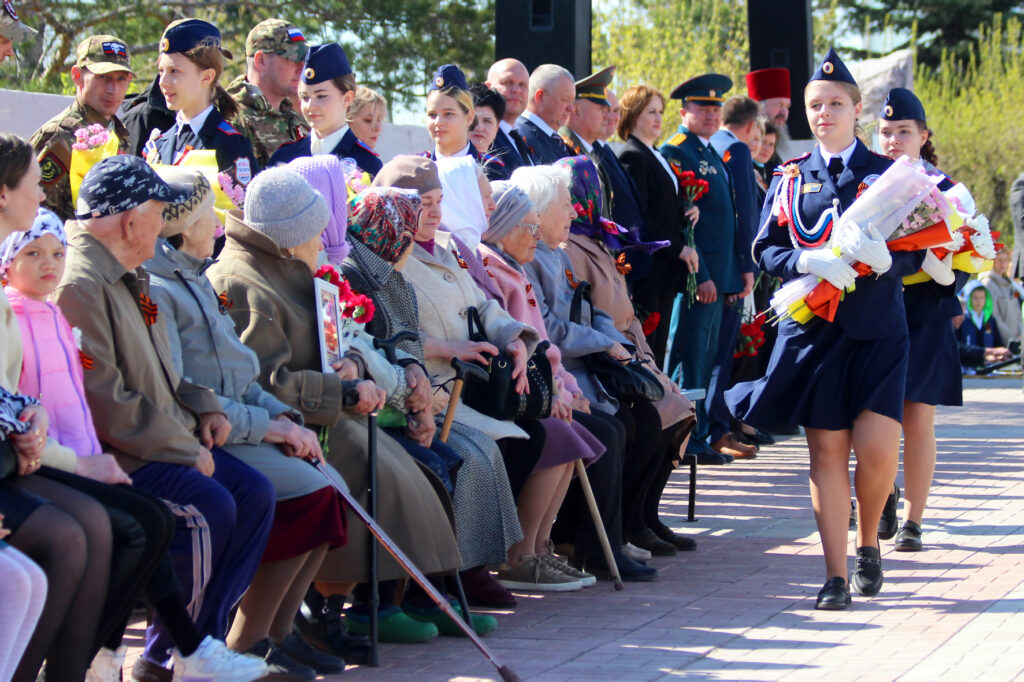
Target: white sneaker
635 553
106 667
213 660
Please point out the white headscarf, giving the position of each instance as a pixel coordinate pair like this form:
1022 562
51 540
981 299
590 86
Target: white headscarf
462 207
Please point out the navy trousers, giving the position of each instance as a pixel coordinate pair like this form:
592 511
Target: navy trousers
693 345
719 417
221 527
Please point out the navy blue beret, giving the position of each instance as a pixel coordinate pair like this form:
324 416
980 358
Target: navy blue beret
833 69
448 76
902 105
186 34
324 62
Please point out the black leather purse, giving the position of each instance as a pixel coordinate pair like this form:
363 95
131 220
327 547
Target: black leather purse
628 382
497 396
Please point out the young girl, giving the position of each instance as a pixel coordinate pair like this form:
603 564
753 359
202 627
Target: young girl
367 114
326 92
190 65
933 373
450 117
843 381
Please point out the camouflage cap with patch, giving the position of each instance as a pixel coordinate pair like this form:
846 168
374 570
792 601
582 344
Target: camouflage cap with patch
103 54
279 37
11 26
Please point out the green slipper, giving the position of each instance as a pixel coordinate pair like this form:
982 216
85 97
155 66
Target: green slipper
483 624
393 626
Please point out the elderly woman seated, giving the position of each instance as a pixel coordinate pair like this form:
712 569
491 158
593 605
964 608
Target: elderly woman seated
539 468
266 276
381 235
595 253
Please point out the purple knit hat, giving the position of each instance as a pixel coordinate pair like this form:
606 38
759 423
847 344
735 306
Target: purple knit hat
326 175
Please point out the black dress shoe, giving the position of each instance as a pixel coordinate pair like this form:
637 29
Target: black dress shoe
680 542
889 523
909 538
320 622
835 596
630 571
867 578
759 437
647 539
713 458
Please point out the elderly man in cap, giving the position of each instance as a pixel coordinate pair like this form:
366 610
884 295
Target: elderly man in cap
164 431
548 107
12 31
102 74
694 328
274 52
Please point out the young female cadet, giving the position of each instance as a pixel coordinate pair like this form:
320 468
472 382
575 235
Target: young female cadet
843 381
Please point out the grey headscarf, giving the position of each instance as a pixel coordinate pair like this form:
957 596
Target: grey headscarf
512 204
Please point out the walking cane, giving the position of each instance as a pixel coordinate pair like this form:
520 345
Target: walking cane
507 674
595 514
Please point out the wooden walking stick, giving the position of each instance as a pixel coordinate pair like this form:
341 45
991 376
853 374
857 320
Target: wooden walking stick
463 370
595 515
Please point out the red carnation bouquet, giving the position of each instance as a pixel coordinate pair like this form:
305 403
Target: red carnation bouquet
751 336
357 307
691 189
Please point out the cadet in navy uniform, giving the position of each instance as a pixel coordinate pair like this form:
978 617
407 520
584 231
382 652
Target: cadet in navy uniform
694 329
933 375
326 91
450 116
843 381
190 64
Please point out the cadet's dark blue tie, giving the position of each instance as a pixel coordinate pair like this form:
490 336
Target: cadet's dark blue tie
835 168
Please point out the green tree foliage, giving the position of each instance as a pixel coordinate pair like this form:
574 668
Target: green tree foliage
937 26
974 106
394 45
664 42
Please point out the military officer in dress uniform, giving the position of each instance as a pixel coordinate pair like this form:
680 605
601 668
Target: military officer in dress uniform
274 53
12 31
585 125
327 71
550 102
102 74
694 329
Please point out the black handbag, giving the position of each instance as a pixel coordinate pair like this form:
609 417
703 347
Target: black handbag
628 382
8 460
497 396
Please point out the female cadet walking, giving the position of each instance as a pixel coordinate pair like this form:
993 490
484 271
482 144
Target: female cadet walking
843 381
933 373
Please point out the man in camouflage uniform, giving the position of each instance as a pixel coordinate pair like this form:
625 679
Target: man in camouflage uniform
12 31
274 52
102 74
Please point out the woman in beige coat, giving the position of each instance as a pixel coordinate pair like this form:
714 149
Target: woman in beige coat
265 275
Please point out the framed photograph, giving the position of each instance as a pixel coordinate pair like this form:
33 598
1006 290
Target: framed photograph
328 323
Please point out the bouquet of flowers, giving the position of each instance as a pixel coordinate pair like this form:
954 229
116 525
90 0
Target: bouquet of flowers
355 307
973 245
751 336
227 194
92 144
691 189
356 180
903 206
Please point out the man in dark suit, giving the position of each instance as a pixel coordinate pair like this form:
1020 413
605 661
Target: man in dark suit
694 329
512 81
548 106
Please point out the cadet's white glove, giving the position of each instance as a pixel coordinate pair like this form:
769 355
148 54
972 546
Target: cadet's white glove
825 264
940 270
868 248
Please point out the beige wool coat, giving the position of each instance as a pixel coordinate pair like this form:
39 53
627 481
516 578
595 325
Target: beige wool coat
271 300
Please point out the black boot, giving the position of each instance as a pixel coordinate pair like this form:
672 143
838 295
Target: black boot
888 524
320 622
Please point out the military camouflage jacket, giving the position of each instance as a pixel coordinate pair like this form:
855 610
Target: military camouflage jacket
52 143
266 128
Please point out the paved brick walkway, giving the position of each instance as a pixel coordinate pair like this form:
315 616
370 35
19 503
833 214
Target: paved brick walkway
742 606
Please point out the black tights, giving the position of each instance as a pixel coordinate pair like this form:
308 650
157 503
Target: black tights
642 463
673 436
70 540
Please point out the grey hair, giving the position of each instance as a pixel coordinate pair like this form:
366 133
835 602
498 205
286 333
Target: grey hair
544 77
541 183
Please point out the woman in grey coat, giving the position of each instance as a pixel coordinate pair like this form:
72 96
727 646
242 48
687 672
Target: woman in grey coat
265 433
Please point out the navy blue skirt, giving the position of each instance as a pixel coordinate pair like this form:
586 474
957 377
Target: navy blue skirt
933 373
821 378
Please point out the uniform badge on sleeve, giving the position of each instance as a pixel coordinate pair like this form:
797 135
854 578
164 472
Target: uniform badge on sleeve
51 168
243 171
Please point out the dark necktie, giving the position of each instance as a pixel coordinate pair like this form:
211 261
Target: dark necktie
520 145
186 137
835 168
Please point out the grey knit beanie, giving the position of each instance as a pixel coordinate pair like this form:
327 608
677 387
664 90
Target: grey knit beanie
512 204
281 204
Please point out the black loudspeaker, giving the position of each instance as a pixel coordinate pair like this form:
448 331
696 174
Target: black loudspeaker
780 35
544 32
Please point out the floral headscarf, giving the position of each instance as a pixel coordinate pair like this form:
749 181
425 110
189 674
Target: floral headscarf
326 174
46 222
385 219
586 198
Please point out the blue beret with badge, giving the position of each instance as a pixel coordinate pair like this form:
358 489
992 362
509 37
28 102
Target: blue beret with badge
187 34
120 183
324 62
448 76
902 105
832 68
709 88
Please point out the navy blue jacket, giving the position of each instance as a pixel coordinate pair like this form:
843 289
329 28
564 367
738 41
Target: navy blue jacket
350 147
715 233
505 149
741 172
875 308
234 151
541 147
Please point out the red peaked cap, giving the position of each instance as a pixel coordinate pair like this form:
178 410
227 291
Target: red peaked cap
768 83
